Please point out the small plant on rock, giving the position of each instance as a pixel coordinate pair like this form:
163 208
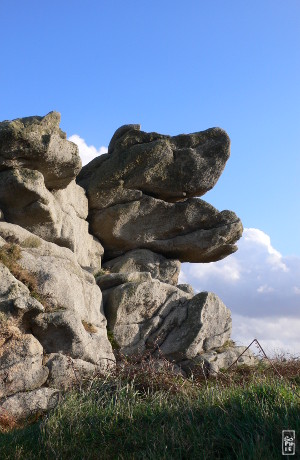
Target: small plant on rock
31 242
101 272
89 327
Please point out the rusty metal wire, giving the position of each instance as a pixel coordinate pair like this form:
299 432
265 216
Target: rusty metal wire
256 342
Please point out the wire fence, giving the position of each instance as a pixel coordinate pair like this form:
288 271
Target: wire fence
262 351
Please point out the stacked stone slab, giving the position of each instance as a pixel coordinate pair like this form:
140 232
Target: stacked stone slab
52 324
136 207
38 167
141 195
144 209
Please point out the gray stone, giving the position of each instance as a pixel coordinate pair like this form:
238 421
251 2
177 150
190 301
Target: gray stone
169 168
190 231
22 406
216 360
186 288
74 227
58 274
139 202
140 195
199 324
120 133
21 366
64 372
65 332
59 217
15 297
71 319
111 280
37 143
143 260
135 310
164 319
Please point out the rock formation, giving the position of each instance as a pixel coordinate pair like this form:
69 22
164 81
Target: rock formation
38 167
136 207
141 195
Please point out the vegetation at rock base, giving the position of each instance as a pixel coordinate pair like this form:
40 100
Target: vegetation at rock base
113 342
140 412
229 343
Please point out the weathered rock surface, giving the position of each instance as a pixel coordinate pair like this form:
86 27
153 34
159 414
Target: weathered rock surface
190 231
111 280
21 366
37 187
24 405
202 323
15 296
37 143
72 300
65 332
214 360
139 201
135 310
186 288
154 315
65 371
143 260
73 228
169 168
59 217
140 195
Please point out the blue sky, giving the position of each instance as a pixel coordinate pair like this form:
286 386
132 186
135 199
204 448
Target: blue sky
174 67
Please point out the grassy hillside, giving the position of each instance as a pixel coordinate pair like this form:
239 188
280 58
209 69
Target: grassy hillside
150 414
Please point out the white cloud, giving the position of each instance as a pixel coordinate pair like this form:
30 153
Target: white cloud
86 152
276 335
182 279
255 281
265 288
230 272
259 285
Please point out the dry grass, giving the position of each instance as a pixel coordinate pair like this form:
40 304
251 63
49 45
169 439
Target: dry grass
152 375
10 254
146 411
8 330
149 374
7 422
101 272
285 369
228 344
89 327
31 242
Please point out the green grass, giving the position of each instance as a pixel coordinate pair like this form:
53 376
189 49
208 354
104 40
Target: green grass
113 342
146 414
